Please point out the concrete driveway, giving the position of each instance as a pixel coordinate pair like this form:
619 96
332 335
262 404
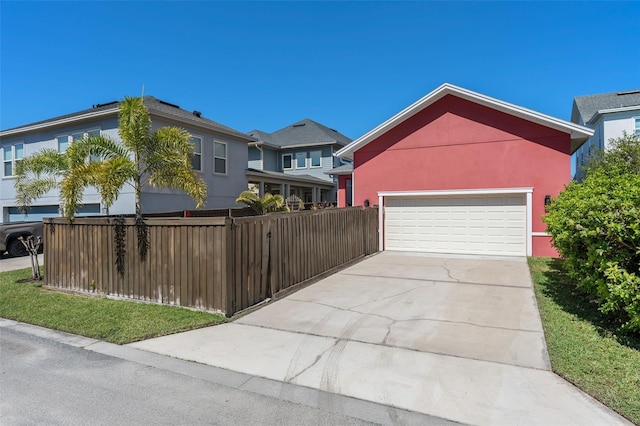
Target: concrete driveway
454 337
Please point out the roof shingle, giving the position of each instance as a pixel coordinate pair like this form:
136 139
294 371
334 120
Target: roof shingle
586 107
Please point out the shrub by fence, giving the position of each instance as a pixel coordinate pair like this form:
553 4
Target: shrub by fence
212 263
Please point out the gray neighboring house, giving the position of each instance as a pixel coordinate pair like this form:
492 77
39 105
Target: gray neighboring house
295 160
608 114
221 159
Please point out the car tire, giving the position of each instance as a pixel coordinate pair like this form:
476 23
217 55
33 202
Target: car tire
16 248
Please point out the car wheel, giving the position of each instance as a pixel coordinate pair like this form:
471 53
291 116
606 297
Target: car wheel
16 248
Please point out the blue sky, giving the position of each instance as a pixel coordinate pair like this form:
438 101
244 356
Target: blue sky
347 65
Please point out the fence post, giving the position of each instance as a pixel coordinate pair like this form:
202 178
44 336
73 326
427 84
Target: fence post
229 296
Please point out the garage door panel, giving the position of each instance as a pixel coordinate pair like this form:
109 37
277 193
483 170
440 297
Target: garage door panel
488 224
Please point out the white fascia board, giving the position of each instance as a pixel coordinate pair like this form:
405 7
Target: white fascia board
56 123
429 193
601 112
574 130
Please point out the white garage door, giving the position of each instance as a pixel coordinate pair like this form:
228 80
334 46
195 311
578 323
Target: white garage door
477 224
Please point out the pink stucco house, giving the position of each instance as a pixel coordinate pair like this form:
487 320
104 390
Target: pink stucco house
460 172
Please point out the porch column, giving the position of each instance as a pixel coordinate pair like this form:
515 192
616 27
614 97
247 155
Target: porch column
314 195
261 189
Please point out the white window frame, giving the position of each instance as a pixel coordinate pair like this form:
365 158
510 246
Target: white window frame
297 154
13 161
636 123
71 139
196 153
225 158
292 163
311 159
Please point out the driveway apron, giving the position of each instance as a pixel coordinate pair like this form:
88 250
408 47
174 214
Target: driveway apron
450 336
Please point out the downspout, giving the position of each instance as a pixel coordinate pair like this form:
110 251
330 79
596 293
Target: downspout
258 145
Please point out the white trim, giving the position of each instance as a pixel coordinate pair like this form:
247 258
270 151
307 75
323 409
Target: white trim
481 191
577 132
540 234
529 222
68 120
306 158
225 158
311 166
380 220
601 112
13 161
528 191
292 163
192 136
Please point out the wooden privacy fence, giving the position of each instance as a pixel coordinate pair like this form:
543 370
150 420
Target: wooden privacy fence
221 264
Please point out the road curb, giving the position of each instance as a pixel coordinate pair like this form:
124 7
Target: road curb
314 398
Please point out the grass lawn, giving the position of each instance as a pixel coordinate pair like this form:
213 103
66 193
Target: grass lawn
113 321
583 344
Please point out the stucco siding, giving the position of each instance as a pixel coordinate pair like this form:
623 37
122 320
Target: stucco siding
457 144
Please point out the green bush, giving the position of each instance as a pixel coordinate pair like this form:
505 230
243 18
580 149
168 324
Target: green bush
595 225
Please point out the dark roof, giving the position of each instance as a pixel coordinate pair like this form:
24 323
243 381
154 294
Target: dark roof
303 133
345 169
154 105
262 137
586 107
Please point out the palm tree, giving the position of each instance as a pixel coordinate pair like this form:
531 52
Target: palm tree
160 158
270 203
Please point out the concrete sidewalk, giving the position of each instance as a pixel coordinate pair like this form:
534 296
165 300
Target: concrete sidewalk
12 263
453 337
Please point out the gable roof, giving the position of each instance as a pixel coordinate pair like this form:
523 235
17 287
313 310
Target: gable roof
579 134
155 106
263 137
586 109
302 133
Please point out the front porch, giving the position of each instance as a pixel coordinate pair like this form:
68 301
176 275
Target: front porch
308 188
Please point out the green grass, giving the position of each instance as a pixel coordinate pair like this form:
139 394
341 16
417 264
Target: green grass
113 321
583 344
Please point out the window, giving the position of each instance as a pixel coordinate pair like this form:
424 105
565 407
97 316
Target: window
638 126
196 161
11 154
63 143
65 140
287 161
301 160
220 158
316 158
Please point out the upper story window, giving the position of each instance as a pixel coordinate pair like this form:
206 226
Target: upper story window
196 161
287 161
65 140
11 154
637 130
220 158
316 158
301 160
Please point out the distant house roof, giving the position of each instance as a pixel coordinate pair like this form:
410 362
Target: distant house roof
578 134
263 137
289 178
345 169
586 108
303 133
155 106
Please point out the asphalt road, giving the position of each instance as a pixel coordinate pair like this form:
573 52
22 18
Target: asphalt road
46 382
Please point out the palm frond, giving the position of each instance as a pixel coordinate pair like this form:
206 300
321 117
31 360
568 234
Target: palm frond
38 174
134 124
